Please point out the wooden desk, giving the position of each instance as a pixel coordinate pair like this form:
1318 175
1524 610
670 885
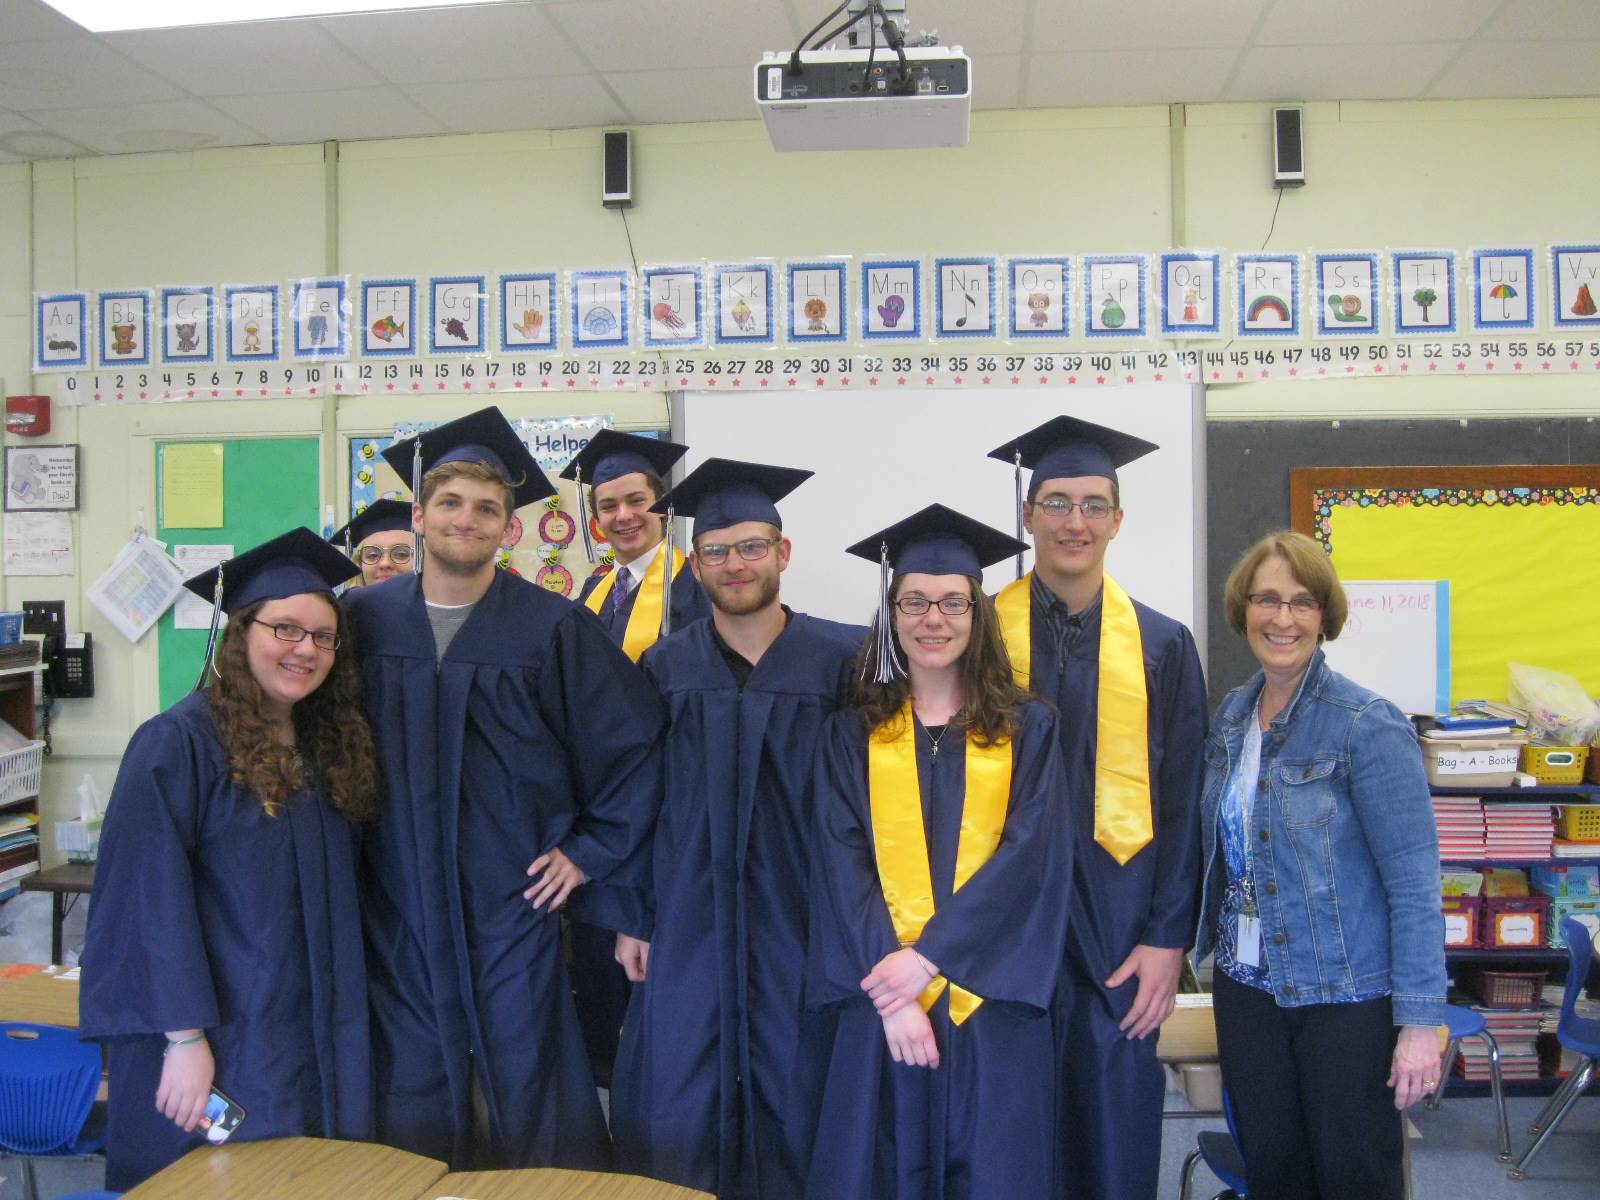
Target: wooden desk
73 879
293 1169
28 994
546 1183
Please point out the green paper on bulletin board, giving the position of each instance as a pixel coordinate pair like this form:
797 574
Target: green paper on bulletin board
1523 575
270 486
191 485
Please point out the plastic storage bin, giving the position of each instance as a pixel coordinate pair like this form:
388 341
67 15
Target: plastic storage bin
1485 762
1578 823
1555 766
1515 922
1510 989
1462 917
19 772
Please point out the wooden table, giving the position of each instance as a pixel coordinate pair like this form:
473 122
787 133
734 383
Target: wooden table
31 992
293 1169
546 1183
73 879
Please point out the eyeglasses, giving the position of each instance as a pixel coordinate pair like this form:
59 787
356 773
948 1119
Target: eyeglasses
1301 606
1060 508
371 556
323 639
950 606
714 554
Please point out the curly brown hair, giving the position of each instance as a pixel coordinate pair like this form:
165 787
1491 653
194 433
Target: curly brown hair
991 708
330 728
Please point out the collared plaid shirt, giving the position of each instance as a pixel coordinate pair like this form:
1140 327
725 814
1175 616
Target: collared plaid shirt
1065 627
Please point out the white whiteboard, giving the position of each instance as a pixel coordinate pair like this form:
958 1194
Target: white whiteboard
1396 641
879 458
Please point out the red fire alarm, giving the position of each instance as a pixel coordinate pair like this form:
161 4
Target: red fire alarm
28 415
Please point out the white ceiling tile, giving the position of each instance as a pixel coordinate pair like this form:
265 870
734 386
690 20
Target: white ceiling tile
492 105
1069 25
997 81
993 27
712 94
648 35
74 73
440 45
28 20
1372 22
1547 19
1344 73
164 125
360 114
1118 77
243 60
1516 69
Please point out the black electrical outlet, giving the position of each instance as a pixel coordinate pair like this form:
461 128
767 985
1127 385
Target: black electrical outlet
48 617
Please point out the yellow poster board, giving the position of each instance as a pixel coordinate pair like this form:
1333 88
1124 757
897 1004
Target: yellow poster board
191 485
1523 562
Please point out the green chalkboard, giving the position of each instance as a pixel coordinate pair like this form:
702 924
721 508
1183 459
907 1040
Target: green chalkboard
268 486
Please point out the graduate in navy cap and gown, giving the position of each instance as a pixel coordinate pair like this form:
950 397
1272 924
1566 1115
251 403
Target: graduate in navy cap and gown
379 540
719 1073
224 942
624 473
502 796
1127 683
942 856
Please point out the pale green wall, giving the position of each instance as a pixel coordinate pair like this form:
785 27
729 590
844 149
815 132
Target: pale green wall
1438 174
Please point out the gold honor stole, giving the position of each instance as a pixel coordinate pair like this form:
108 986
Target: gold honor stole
901 843
644 622
1122 819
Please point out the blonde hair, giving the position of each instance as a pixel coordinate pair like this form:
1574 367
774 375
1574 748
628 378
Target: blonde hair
1311 568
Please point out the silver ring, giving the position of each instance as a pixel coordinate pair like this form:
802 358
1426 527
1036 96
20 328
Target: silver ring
1428 1083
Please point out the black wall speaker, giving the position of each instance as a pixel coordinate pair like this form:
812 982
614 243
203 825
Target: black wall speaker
616 183
1288 147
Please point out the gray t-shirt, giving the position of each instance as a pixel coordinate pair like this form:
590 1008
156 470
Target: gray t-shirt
447 620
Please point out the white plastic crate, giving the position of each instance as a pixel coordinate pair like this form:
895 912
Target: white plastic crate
19 772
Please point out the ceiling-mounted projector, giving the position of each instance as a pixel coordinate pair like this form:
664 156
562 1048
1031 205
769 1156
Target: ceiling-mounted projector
862 99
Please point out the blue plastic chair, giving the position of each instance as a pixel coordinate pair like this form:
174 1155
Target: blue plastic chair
1221 1154
1581 1035
48 1080
1465 1023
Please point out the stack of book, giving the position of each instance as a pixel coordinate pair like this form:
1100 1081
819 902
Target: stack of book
1516 1030
1518 831
1460 823
19 848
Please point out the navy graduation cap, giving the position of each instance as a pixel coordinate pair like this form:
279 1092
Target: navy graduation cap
289 565
482 437
938 541
1067 447
724 491
381 516
611 454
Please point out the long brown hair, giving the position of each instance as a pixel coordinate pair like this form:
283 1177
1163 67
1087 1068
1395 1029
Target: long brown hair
330 728
991 708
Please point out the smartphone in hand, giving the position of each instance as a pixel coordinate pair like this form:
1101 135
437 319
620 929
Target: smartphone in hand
222 1117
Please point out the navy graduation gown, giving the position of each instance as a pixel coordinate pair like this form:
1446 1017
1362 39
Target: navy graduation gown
718 1076
488 763
1111 1087
209 914
689 602
980 1126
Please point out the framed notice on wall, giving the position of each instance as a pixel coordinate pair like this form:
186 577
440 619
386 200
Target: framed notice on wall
41 478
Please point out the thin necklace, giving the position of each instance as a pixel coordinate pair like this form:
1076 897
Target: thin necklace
934 741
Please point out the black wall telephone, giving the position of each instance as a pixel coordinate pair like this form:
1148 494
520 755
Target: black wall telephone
68 657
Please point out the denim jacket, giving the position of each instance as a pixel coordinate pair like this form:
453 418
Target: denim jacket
1344 852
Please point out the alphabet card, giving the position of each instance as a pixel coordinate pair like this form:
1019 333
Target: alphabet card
964 297
1347 294
319 318
1424 291
1190 287
60 331
674 305
742 303
389 318
125 327
1041 297
1575 275
1114 295
1502 289
188 324
600 301
528 312
250 322
818 293
459 306
891 300
1268 294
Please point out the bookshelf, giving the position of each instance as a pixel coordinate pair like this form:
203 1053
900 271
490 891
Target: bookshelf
19 698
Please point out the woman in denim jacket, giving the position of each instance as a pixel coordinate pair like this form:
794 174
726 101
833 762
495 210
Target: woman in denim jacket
1321 897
